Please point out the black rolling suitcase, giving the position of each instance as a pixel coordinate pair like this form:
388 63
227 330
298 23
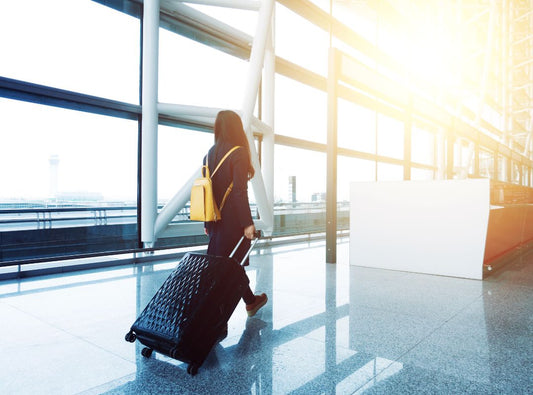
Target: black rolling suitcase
186 316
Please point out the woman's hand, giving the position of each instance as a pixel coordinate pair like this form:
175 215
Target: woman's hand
249 232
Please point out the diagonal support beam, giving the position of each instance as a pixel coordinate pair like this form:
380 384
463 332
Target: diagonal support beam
173 207
156 224
257 57
252 5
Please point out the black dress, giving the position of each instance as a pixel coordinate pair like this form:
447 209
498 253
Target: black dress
236 215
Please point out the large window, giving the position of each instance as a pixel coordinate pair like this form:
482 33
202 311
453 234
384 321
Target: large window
300 110
180 154
300 41
69 181
389 172
352 170
358 16
195 74
71 173
78 45
244 20
390 137
57 154
356 127
422 146
309 170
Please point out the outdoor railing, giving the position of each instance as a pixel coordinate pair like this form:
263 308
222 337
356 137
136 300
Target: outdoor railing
38 232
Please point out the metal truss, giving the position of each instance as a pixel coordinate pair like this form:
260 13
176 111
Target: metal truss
490 60
261 56
497 70
520 74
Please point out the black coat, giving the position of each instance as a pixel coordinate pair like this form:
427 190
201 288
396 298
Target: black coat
236 215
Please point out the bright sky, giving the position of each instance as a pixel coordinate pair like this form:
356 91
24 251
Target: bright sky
97 154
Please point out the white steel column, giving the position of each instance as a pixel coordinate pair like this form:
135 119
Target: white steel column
331 156
268 112
250 96
149 120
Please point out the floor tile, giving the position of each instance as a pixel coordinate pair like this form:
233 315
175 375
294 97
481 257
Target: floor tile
411 380
327 328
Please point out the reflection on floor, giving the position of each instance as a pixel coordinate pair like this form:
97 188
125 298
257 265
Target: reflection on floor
326 329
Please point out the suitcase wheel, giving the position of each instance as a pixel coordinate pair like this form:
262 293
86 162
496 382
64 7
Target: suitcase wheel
146 352
192 369
130 337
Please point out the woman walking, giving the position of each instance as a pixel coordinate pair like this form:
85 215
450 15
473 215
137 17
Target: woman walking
236 216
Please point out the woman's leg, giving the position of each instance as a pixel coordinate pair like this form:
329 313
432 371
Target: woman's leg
253 302
248 295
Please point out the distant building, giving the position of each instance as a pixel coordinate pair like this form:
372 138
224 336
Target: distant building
292 189
318 197
80 196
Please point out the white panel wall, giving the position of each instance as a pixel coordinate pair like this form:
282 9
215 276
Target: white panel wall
434 227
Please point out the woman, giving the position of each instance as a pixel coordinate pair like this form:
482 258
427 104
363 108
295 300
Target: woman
236 217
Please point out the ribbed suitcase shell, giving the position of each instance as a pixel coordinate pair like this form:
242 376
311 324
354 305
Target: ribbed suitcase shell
187 314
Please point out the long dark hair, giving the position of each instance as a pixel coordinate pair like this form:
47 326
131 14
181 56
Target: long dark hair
229 132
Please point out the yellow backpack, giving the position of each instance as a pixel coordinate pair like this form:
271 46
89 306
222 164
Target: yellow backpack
203 205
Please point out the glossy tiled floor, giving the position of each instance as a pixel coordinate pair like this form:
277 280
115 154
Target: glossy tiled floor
326 329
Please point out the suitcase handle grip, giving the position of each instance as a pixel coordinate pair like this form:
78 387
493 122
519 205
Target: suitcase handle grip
257 236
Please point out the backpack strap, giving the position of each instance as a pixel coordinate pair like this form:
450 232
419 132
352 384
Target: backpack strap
228 190
205 170
226 195
223 159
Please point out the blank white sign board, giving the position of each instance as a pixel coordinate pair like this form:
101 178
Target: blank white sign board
433 227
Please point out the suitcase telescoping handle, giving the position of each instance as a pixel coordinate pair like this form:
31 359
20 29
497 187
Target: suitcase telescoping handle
257 236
